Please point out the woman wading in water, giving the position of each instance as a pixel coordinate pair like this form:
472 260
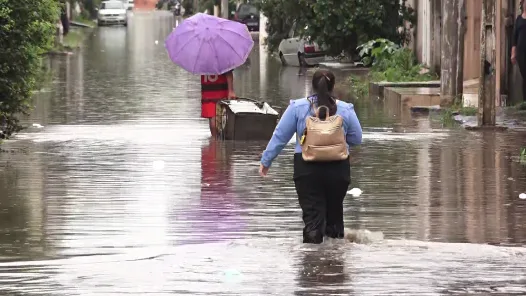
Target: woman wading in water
326 128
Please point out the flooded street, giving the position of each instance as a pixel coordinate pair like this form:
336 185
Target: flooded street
122 193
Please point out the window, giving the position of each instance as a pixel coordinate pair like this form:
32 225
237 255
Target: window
111 5
246 9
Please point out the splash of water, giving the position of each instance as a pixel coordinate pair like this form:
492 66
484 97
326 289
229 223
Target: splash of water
363 236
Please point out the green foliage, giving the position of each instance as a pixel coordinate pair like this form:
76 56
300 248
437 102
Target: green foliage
89 11
27 30
280 19
447 114
86 19
376 50
71 41
400 65
359 86
391 63
338 25
188 6
209 5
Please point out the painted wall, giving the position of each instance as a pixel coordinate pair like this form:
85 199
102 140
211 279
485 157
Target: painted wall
472 39
424 31
145 4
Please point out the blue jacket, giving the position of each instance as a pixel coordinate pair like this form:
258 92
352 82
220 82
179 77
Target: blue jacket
293 121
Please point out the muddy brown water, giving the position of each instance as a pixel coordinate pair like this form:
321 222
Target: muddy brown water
122 193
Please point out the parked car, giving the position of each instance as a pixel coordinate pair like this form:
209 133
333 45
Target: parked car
249 15
112 12
130 5
296 51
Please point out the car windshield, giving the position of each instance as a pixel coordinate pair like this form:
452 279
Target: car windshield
247 9
111 5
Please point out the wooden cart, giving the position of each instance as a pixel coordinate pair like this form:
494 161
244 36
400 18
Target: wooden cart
246 120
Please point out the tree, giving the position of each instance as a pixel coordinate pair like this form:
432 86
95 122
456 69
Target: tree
338 25
89 8
281 15
27 30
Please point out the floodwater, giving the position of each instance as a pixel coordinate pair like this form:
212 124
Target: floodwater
122 193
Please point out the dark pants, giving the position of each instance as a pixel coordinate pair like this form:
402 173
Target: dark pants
521 61
321 188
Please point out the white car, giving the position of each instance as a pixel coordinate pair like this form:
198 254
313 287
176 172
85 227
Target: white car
296 51
129 4
112 12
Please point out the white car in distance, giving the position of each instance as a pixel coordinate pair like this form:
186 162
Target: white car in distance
296 51
112 12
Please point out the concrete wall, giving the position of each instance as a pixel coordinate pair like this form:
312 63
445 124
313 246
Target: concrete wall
145 4
424 32
427 46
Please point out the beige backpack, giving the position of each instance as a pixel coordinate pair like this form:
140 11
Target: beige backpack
324 140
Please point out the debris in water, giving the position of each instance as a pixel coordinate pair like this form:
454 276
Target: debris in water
37 125
158 165
522 196
355 192
156 42
232 275
363 236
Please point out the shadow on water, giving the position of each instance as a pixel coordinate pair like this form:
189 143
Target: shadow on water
122 192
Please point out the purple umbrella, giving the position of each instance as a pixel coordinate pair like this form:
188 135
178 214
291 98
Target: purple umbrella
208 45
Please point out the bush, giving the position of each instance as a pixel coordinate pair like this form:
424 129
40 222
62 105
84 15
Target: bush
27 30
280 18
338 25
391 63
89 8
188 6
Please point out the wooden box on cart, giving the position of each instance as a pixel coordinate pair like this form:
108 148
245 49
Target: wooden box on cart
246 120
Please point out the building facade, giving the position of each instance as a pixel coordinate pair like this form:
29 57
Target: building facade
427 43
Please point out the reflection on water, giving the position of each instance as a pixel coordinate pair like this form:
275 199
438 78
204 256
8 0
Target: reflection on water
122 192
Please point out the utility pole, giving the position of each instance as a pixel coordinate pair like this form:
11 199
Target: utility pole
195 6
217 9
452 51
461 20
488 79
436 8
224 9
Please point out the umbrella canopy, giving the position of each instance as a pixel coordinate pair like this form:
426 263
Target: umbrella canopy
208 45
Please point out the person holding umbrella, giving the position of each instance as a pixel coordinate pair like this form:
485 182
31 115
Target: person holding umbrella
211 47
213 89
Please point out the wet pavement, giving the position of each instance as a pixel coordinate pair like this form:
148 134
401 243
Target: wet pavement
122 193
